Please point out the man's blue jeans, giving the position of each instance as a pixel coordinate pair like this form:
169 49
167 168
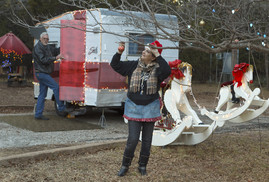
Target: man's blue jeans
45 82
134 128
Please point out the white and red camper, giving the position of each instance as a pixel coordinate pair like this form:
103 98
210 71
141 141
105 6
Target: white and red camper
88 39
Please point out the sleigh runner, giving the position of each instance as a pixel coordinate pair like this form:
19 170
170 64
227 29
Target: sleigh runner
233 113
250 114
185 133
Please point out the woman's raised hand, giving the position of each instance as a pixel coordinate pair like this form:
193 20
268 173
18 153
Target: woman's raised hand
155 52
121 47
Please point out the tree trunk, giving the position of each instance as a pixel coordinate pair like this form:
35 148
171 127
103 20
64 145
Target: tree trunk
266 69
234 60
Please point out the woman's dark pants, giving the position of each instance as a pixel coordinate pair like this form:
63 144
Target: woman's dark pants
134 128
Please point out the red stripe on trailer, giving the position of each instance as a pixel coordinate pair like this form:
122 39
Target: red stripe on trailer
71 81
102 76
71 74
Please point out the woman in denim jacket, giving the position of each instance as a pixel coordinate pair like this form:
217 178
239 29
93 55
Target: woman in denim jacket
142 106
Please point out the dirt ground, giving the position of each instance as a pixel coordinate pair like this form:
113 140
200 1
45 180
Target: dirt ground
230 157
19 99
234 156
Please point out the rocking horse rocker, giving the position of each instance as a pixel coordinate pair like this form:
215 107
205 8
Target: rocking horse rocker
172 129
231 94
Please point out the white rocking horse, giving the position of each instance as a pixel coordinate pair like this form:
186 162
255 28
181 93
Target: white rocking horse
243 75
231 92
175 98
187 131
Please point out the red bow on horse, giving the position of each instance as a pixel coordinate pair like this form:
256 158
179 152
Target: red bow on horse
238 72
175 71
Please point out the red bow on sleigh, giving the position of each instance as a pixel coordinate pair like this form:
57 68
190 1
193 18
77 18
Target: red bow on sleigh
175 71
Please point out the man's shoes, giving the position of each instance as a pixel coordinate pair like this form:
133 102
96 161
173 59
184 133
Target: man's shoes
42 118
67 110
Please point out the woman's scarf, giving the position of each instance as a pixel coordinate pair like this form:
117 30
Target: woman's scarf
141 68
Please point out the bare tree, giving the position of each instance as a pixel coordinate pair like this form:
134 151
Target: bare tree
210 26
266 63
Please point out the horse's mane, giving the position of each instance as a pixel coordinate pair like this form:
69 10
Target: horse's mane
184 65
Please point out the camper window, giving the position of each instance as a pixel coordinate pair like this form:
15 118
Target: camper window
53 43
135 48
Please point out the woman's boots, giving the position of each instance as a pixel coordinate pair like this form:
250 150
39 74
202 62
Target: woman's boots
143 161
126 162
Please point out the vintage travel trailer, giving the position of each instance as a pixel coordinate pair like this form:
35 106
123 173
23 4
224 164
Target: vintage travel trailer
88 39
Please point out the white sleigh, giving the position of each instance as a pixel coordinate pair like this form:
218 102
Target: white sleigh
243 112
187 131
190 130
184 134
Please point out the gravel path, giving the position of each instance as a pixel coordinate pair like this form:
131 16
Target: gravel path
11 136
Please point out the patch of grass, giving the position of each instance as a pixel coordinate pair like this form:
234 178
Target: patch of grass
223 157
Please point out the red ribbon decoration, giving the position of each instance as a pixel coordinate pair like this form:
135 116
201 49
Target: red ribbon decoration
238 72
175 71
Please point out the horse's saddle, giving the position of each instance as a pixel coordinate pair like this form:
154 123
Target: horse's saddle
234 99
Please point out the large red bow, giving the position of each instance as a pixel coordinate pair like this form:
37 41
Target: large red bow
238 72
175 71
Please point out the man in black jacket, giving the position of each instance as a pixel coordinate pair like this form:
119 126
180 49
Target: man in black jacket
44 57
